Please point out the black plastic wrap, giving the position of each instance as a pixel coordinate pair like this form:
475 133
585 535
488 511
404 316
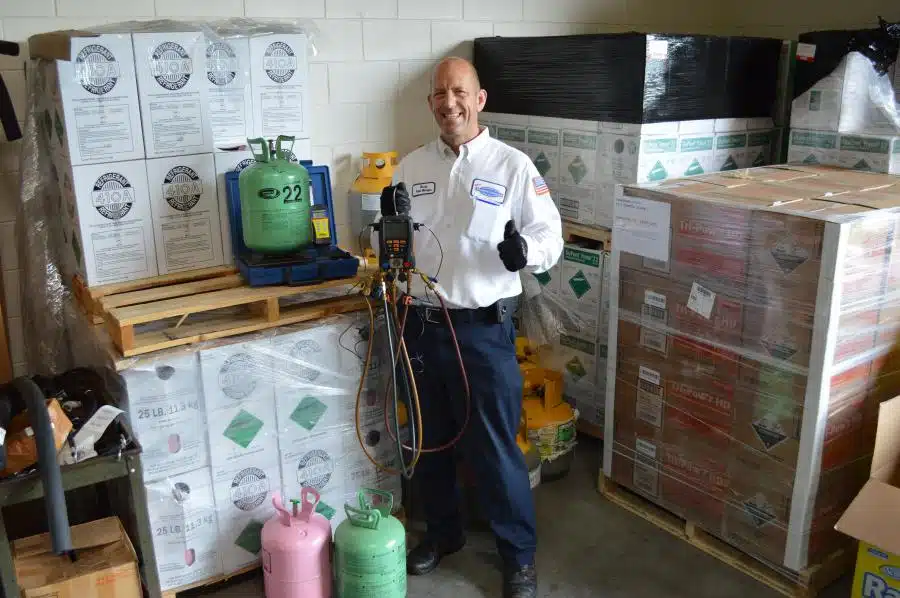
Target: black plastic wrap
629 77
880 45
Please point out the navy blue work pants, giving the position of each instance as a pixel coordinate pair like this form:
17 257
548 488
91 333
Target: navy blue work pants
489 445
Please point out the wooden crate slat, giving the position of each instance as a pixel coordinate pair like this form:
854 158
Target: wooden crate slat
804 584
157 281
206 285
148 342
179 306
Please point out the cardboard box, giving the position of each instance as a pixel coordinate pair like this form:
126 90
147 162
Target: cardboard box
279 76
872 516
229 91
578 173
581 285
870 153
629 158
669 306
813 147
182 511
166 411
186 219
111 222
21 447
107 564
759 149
544 146
843 100
173 93
243 505
815 267
696 154
92 98
731 151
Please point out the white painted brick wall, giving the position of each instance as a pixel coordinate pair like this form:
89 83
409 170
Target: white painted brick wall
370 77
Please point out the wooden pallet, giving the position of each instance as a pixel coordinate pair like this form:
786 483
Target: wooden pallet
211 581
574 232
94 300
806 584
160 317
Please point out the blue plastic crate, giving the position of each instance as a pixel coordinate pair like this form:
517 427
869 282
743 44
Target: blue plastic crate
309 266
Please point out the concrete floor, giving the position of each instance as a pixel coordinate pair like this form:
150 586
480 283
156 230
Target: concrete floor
587 548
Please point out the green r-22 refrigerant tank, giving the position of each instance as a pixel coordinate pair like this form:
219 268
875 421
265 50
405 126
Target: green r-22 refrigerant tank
275 199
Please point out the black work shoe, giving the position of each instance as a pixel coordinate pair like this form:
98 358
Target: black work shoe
425 557
520 583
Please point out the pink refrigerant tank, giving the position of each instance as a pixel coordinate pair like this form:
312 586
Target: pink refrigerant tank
296 550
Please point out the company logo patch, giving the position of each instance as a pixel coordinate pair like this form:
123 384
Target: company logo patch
540 186
315 469
236 378
249 488
488 192
182 188
112 196
96 69
221 64
280 62
423 189
171 66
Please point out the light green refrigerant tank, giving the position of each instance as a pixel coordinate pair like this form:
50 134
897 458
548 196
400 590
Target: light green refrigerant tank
275 199
370 550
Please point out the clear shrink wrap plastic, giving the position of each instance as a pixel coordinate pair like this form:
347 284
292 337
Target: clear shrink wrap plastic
56 238
848 82
226 424
223 424
753 318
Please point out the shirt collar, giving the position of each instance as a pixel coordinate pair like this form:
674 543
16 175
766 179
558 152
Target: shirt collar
468 149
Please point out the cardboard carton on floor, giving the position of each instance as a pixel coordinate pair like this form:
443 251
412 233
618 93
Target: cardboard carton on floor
107 564
873 517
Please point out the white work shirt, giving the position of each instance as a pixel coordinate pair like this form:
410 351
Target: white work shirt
466 201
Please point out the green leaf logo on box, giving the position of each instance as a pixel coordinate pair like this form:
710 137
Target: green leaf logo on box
243 428
576 368
250 538
729 164
579 284
542 163
658 173
694 168
578 169
862 165
308 413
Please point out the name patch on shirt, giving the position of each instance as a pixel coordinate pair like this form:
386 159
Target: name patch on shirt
422 189
488 192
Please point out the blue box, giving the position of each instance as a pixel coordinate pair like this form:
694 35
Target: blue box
308 266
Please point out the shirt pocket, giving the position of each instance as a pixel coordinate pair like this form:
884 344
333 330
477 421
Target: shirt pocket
487 222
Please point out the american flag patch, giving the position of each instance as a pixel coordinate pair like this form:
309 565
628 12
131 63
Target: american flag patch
540 187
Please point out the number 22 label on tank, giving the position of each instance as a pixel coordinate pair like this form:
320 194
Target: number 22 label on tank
289 193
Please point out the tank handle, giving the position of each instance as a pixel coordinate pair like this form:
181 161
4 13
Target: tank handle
259 156
281 153
285 515
387 497
368 518
310 499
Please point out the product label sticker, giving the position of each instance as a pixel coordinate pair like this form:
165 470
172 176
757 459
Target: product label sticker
657 49
806 52
701 300
655 340
488 192
642 226
651 376
423 189
645 448
655 299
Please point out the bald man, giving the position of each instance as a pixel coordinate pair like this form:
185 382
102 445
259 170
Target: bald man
492 219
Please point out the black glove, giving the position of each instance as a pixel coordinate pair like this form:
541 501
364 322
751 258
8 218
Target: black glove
395 200
513 249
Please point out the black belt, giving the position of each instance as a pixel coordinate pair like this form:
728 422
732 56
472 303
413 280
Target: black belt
492 314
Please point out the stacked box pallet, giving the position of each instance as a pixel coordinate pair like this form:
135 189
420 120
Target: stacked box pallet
593 111
142 122
225 425
752 313
845 109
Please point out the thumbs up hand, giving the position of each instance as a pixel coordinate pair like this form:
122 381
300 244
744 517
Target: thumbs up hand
513 249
